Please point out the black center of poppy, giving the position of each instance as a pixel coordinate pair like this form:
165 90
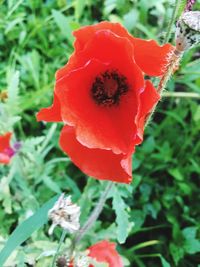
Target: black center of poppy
108 87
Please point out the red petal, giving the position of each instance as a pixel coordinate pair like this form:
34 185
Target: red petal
149 56
98 126
99 42
148 99
98 163
69 66
105 251
83 36
5 141
4 159
52 113
87 33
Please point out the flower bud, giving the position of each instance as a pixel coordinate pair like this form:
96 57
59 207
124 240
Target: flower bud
188 31
62 262
65 214
189 5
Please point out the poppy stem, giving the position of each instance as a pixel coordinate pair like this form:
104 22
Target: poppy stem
173 63
94 215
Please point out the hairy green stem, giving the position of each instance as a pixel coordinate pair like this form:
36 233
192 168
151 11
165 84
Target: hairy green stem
58 248
94 215
172 21
173 63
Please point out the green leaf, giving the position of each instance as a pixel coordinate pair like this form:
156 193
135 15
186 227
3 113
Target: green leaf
13 86
121 216
79 7
189 232
197 114
13 91
177 252
25 230
130 19
176 174
137 217
164 262
145 30
51 184
191 245
64 24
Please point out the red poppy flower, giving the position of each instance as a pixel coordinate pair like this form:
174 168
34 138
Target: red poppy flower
105 251
6 152
102 96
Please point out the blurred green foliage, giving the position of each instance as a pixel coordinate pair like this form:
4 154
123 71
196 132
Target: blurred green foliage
158 215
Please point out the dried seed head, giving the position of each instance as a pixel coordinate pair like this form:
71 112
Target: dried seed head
188 31
62 262
65 214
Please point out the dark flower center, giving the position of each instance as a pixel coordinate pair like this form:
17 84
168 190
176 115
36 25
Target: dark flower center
108 88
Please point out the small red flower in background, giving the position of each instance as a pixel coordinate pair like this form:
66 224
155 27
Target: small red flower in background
6 152
105 251
103 99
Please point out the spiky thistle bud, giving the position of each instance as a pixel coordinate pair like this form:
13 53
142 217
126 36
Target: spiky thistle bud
65 214
188 31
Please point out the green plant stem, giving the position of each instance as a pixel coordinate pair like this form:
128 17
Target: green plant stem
94 215
172 21
143 245
173 63
181 94
58 248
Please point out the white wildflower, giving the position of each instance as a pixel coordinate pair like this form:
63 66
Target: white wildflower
65 214
82 261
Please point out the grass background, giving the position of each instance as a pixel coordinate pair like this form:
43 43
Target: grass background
159 213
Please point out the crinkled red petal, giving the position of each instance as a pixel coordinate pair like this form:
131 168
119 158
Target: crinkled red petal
98 126
103 45
105 252
148 99
52 113
149 55
98 163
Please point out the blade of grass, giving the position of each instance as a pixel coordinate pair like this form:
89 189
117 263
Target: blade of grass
24 230
144 244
